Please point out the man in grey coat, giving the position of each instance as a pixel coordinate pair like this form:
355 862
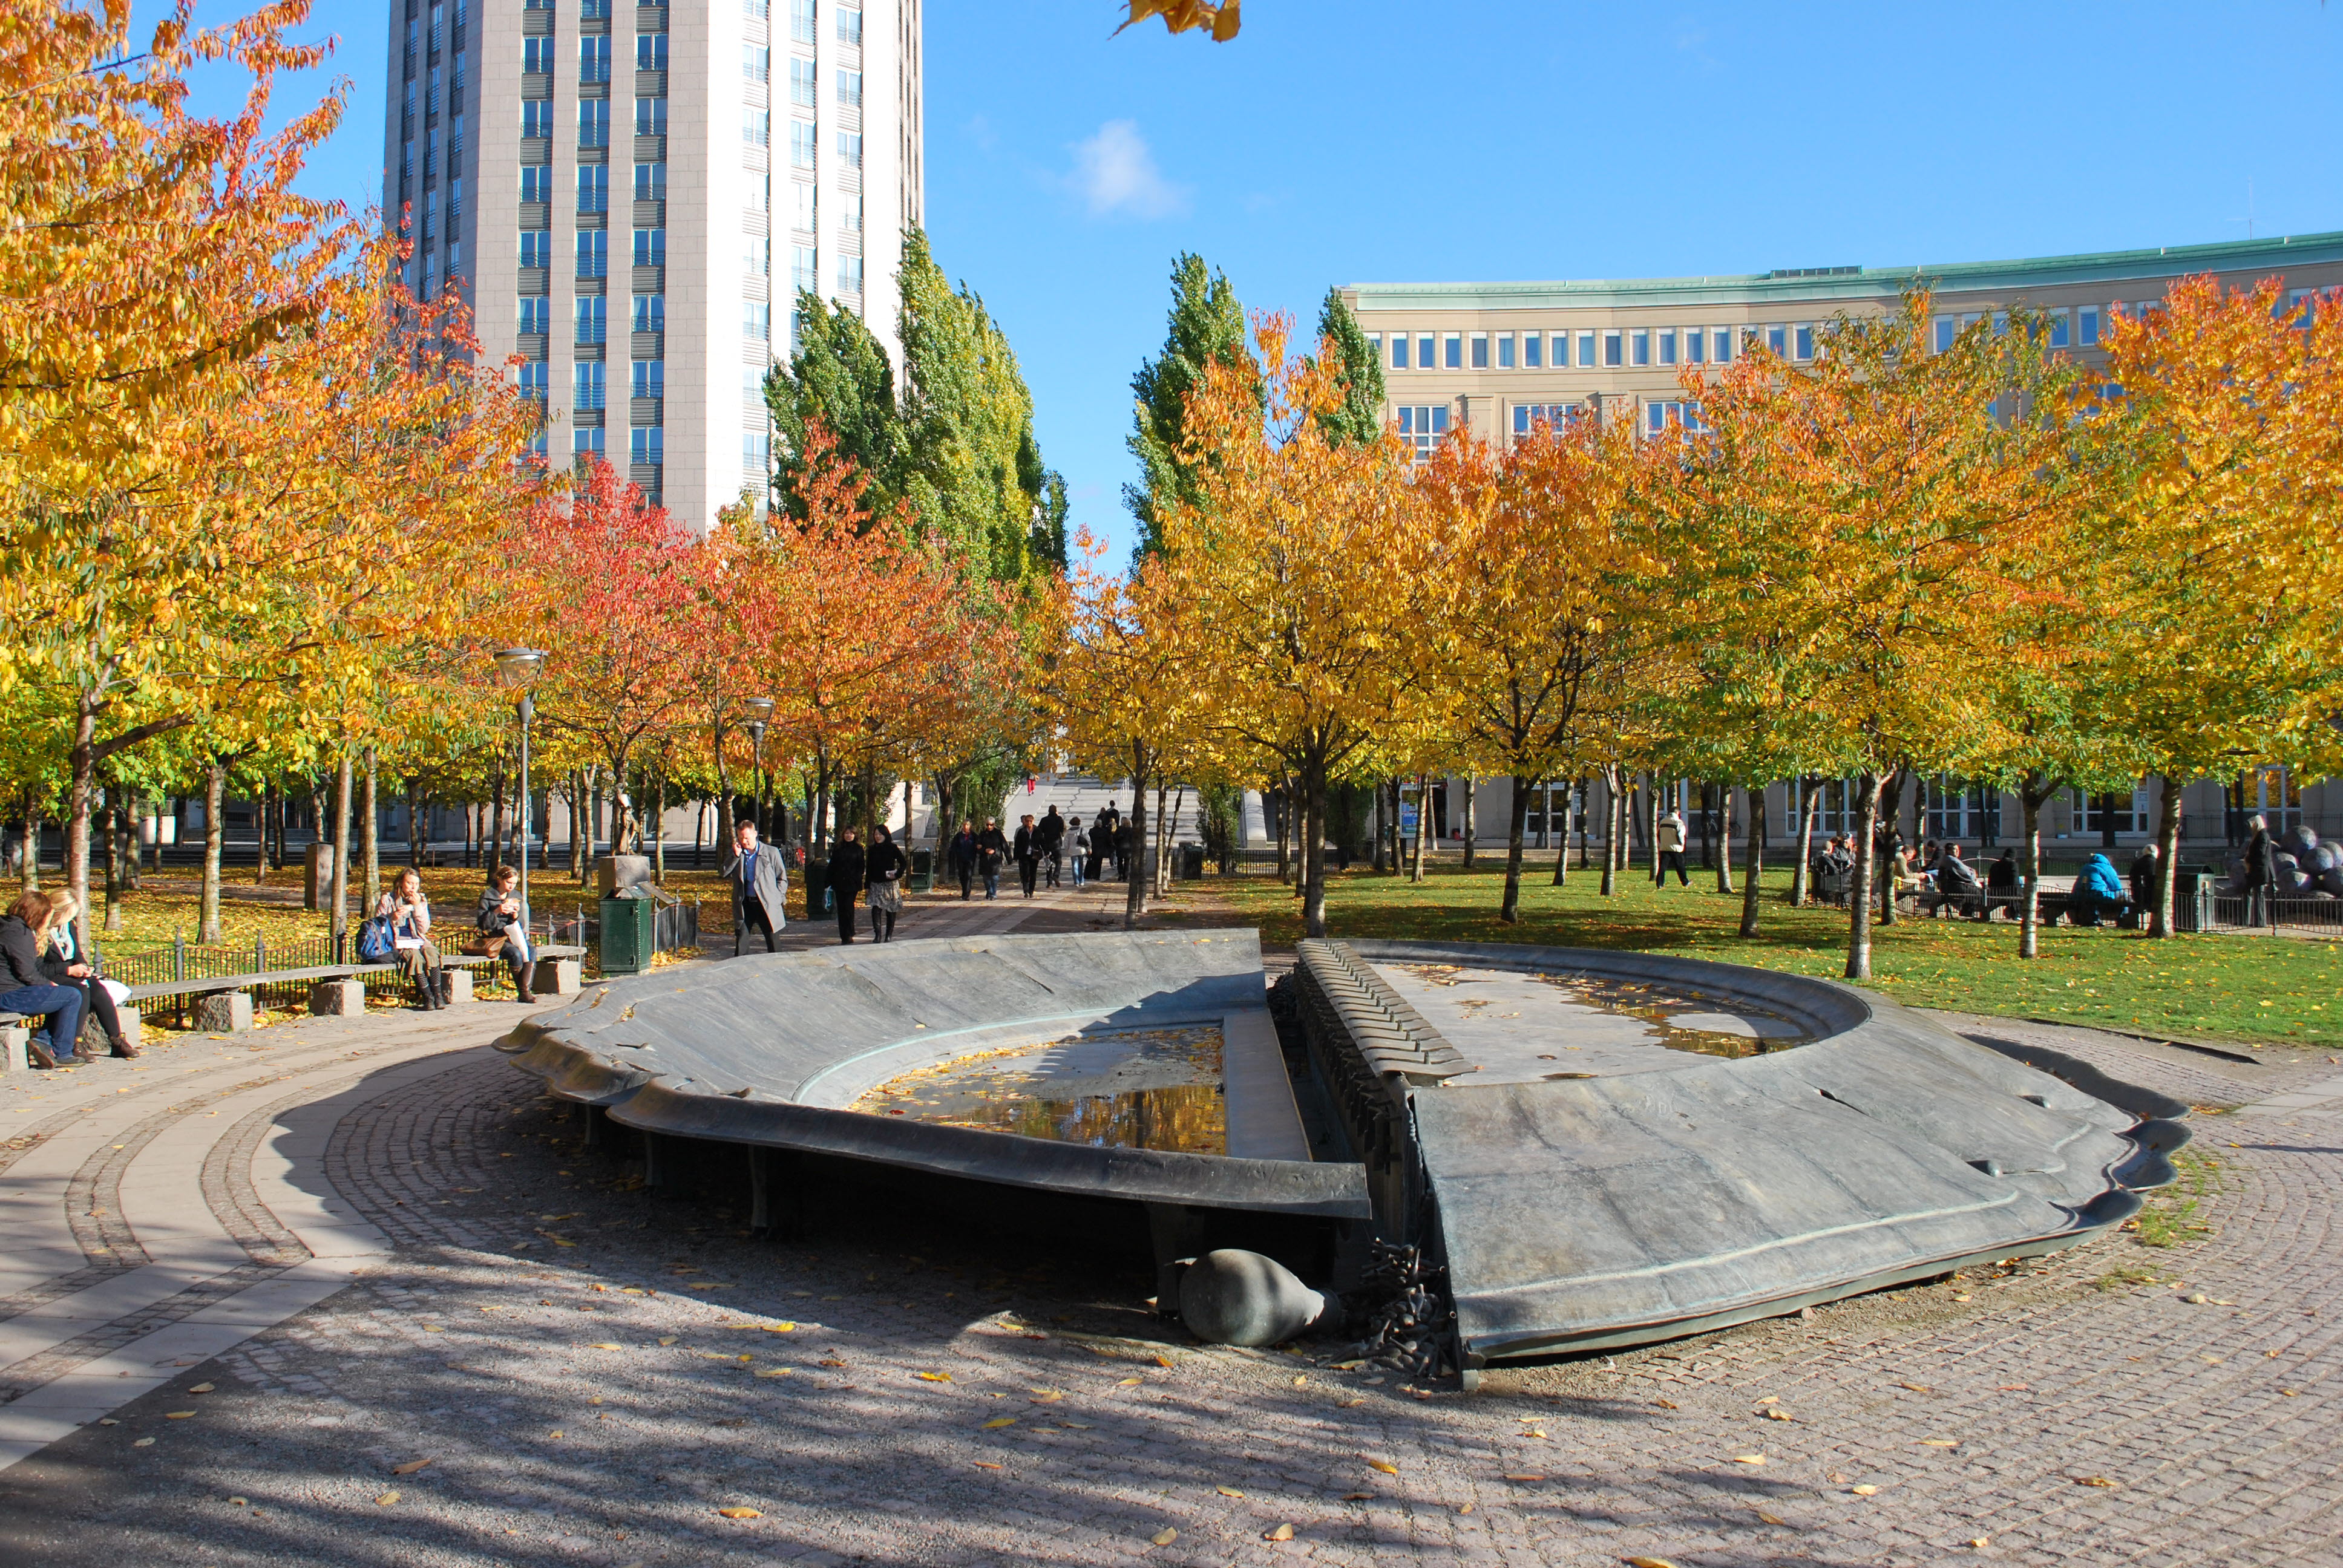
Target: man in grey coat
760 887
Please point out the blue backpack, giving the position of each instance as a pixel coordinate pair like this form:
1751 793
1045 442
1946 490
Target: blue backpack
376 943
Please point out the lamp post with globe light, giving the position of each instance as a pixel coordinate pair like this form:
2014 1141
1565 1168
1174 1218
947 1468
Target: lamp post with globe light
760 714
517 671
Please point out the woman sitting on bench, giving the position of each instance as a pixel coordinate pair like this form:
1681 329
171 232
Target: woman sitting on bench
504 929
64 963
409 915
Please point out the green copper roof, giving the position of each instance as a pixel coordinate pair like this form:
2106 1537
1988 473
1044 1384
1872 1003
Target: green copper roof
1787 285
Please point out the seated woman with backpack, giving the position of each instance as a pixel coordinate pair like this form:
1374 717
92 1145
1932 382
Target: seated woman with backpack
400 932
504 929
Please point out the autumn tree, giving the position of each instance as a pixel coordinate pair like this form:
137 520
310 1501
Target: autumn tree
1207 327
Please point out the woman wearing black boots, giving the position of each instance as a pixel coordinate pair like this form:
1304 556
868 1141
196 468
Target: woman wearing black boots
409 913
886 866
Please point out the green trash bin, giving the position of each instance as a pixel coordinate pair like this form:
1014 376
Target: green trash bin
923 870
817 888
629 935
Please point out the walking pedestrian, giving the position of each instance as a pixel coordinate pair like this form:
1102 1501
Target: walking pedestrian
1671 843
992 848
2260 870
1076 845
1052 836
759 881
963 856
503 920
886 868
847 869
406 914
64 963
1107 838
54 1010
1029 852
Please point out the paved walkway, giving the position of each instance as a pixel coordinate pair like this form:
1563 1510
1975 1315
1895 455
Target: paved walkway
352 1291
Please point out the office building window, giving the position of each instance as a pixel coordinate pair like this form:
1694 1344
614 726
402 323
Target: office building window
756 320
456 82
849 212
589 386
1659 418
2000 322
651 313
1721 345
536 119
804 209
802 144
593 324
761 191
650 117
756 451
650 246
1777 341
536 59
586 445
1420 427
647 445
594 123
536 183
849 151
1479 351
1426 352
2058 329
1562 350
1613 350
756 127
651 182
650 51
594 254
752 387
1399 351
1804 340
1667 345
849 26
801 21
1375 347
849 274
454 203
535 313
1451 350
648 379
1533 350
1528 416
1695 346
805 271
1946 330
758 257
2086 326
594 58
430 155
534 379
1505 351
536 247
756 63
593 187
849 88
802 83
757 10
1642 344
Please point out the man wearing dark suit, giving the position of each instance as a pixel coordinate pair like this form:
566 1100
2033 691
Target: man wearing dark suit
761 887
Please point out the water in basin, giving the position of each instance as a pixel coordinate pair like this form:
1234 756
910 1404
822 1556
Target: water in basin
1120 1088
1519 1026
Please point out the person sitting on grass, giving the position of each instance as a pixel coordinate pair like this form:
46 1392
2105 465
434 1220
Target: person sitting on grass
53 1009
2098 893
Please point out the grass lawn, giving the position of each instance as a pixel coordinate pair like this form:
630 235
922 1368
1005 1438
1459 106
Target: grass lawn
2260 988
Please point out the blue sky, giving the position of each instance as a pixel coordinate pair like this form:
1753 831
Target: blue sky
1379 142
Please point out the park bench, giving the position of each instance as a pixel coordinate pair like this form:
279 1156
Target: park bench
554 972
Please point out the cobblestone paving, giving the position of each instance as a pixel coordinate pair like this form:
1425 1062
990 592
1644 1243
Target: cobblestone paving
555 1366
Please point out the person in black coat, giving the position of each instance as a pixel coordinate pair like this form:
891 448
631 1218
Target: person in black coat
1029 852
886 866
55 1009
992 848
63 963
2142 875
962 857
1052 836
847 870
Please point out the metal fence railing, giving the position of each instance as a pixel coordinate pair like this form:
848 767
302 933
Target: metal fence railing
2246 912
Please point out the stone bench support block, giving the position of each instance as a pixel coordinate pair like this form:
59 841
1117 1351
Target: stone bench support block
13 1056
337 999
225 1012
459 985
558 977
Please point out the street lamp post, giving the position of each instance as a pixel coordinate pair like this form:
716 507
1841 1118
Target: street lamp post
516 670
760 713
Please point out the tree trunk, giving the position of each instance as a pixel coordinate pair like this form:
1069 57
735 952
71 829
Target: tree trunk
83 764
1423 822
1806 801
1510 910
1469 825
2168 854
1562 850
370 834
1649 821
29 874
1313 852
1284 797
110 818
1892 812
1134 884
1611 819
1752 867
2029 916
1858 939
1707 824
207 929
1724 838
659 829
415 824
342 858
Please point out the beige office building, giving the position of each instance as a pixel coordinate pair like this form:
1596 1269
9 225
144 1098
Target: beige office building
1492 359
631 198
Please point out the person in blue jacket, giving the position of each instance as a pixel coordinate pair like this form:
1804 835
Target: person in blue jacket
2098 893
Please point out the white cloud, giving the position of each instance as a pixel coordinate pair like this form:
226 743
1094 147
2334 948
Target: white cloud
1115 172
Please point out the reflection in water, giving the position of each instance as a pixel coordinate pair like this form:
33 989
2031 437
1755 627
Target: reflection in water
1126 1089
1681 1019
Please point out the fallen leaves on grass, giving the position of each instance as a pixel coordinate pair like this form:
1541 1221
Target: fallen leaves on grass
411 1467
1000 1421
1228 1491
1766 1518
387 1499
1385 1466
740 1513
1282 1532
1865 1491
1748 1459
605 1345
2093 1481
1165 1536
930 1376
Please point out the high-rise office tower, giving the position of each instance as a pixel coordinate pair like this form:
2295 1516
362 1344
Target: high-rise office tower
631 198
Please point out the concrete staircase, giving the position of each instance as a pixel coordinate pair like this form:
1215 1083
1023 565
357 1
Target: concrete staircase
1081 795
